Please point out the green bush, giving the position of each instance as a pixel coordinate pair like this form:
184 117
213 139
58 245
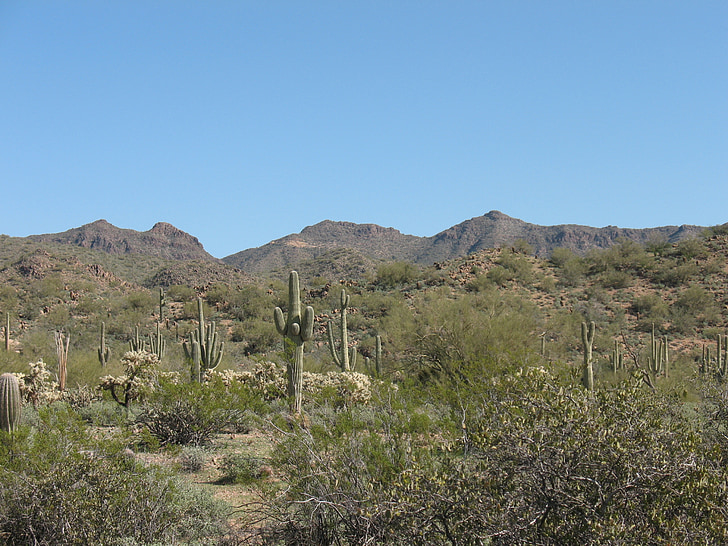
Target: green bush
240 468
191 413
60 485
392 275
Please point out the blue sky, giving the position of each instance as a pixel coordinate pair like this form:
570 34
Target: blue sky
241 122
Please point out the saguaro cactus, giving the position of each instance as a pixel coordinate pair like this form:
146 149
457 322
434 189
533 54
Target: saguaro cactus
103 350
162 304
9 402
157 343
298 328
658 359
342 357
136 343
378 356
62 343
587 338
7 332
204 350
617 357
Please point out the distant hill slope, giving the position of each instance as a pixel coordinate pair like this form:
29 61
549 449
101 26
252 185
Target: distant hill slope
163 241
496 229
491 230
370 240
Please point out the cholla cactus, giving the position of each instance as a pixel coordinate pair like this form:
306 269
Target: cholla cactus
9 402
38 387
141 375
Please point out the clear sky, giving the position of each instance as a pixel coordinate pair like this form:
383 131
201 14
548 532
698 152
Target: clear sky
243 121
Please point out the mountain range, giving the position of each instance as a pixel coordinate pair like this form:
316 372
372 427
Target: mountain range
368 241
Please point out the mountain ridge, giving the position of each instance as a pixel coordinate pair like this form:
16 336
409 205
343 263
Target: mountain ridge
491 230
370 241
163 240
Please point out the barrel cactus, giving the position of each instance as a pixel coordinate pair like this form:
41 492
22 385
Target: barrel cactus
9 402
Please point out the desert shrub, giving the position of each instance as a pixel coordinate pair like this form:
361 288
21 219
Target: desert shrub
521 246
180 293
690 249
532 461
394 274
192 459
60 485
517 266
623 256
616 279
142 300
191 413
560 256
259 335
572 268
672 273
650 307
240 468
693 307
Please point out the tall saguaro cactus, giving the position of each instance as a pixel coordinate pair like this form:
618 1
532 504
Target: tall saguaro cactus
9 402
587 338
342 357
298 328
205 349
378 356
162 304
103 350
7 332
62 343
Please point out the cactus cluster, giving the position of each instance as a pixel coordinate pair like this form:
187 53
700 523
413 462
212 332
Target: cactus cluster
344 358
203 349
617 357
658 359
719 365
136 343
9 402
298 328
157 343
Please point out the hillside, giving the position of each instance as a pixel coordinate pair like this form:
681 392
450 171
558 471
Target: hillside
491 230
162 241
369 242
